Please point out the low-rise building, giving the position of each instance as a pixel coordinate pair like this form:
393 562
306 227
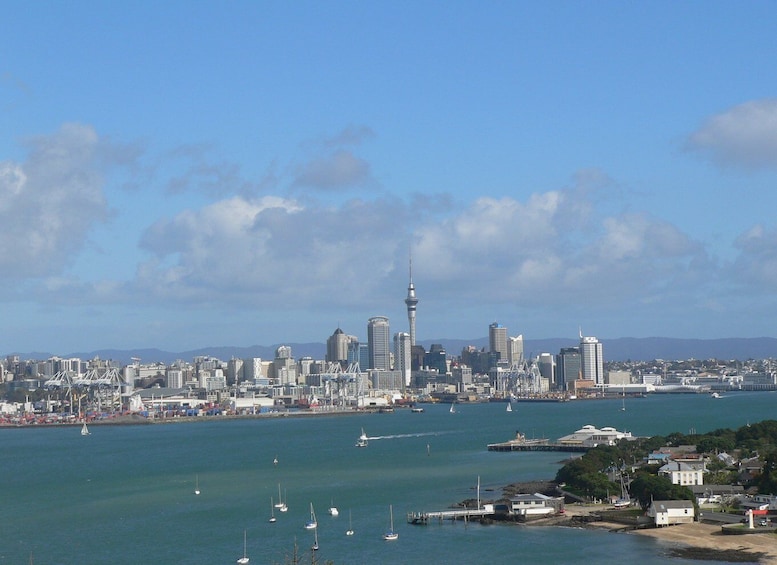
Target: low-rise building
681 473
671 512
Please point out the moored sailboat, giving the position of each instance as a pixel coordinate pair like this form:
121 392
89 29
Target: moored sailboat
311 524
391 534
245 558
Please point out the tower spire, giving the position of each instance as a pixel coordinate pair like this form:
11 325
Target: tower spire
411 302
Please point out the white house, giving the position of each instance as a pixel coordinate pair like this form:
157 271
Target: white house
681 473
535 505
670 512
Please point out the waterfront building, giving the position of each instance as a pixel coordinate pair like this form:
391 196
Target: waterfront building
568 367
378 343
253 369
497 342
592 360
411 302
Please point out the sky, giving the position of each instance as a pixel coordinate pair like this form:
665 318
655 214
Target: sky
185 174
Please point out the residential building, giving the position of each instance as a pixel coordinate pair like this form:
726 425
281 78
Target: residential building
681 473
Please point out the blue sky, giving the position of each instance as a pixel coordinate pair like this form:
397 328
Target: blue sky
185 174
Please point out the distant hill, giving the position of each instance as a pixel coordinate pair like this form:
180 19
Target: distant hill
619 349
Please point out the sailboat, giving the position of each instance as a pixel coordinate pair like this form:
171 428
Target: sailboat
349 531
453 408
245 558
273 519
623 400
391 534
85 430
280 505
196 484
333 511
509 406
362 441
311 524
314 547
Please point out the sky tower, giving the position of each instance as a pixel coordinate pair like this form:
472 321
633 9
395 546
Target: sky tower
411 302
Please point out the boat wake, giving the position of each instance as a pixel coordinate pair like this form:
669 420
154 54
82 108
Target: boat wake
399 436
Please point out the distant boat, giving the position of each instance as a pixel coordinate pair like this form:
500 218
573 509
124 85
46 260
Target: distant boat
716 395
391 534
311 524
275 461
333 511
85 430
245 558
416 409
349 531
196 484
509 406
273 519
623 400
453 408
314 547
362 441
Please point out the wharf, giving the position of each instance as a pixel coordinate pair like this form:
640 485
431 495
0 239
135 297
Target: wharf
423 518
535 445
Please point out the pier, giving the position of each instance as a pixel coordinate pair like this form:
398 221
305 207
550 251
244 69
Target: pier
423 518
536 445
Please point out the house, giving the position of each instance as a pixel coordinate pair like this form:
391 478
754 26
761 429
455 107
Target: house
524 506
681 473
671 512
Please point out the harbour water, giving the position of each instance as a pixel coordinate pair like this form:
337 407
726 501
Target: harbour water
125 494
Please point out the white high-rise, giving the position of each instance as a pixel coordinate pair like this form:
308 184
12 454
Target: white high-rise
592 359
515 350
402 358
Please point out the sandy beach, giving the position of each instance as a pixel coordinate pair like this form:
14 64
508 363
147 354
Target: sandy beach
709 536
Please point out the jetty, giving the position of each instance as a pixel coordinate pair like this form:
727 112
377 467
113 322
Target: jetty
581 440
520 443
423 518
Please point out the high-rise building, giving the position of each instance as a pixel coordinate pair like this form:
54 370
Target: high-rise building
567 367
497 341
379 343
411 301
402 357
515 350
337 347
592 359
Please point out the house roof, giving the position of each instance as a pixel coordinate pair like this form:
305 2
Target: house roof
669 504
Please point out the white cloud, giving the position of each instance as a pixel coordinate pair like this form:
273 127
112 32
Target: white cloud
49 202
745 135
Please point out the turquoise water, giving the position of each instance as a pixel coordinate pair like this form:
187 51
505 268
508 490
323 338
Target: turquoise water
125 493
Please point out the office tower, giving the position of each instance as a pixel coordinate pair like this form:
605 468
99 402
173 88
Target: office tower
497 341
592 359
411 301
402 357
337 347
515 350
568 367
437 359
378 343
546 363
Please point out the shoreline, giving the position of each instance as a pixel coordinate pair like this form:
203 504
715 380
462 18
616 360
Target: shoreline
695 541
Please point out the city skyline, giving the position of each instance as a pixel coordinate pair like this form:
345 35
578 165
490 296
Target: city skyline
222 183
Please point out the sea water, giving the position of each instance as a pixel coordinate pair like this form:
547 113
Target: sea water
125 494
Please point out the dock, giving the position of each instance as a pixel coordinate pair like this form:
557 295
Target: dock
423 518
536 445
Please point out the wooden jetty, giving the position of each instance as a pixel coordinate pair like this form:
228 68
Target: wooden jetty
423 518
